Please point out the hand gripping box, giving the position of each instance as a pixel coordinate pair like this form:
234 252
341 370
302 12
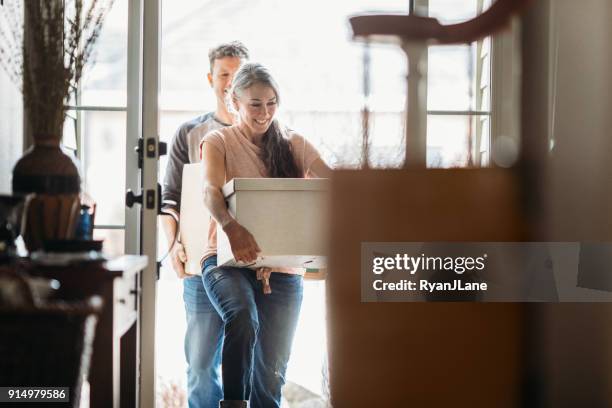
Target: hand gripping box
287 217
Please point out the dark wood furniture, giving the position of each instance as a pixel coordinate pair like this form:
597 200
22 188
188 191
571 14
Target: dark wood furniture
113 376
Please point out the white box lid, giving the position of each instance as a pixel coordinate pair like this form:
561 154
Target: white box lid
274 184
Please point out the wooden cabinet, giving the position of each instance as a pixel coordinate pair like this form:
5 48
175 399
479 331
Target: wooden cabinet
113 376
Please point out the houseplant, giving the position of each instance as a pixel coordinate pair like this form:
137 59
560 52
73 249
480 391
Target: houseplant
45 46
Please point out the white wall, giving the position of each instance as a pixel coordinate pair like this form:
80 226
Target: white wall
11 134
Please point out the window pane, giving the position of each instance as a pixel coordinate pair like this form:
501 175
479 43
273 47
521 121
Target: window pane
104 83
451 138
104 163
113 241
388 69
381 6
387 145
336 134
485 139
450 78
11 128
485 101
453 11
69 138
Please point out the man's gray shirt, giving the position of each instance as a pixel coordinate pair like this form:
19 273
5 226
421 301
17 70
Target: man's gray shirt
185 149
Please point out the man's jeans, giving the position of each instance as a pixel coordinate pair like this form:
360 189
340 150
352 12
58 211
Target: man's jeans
258 331
203 342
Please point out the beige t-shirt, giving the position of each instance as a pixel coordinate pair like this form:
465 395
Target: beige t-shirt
242 159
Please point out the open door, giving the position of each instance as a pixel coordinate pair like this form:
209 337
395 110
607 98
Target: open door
143 151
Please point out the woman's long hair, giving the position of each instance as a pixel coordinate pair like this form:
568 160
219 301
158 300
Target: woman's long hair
276 150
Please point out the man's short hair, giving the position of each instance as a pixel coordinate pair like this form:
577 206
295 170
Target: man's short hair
231 49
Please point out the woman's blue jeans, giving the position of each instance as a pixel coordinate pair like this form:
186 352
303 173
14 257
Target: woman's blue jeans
258 330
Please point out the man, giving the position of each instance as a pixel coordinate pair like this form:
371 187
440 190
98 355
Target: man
204 335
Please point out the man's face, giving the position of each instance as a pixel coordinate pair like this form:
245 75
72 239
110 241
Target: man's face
222 75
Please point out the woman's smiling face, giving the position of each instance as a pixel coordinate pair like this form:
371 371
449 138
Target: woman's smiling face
256 107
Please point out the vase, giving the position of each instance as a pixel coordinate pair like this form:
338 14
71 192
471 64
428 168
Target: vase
45 168
49 217
51 180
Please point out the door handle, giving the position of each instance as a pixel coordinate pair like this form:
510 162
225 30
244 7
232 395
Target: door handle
161 149
131 198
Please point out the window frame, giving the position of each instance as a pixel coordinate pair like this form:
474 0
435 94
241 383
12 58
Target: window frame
504 80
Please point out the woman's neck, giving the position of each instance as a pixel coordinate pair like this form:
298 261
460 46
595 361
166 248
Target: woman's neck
246 132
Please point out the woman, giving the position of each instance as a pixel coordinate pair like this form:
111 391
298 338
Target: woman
259 320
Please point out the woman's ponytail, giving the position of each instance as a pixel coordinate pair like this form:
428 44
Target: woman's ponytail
277 154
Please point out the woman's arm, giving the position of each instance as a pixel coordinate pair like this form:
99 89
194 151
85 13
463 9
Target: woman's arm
214 178
243 244
318 169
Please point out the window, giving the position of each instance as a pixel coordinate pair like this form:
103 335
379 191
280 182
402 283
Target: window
11 125
459 91
320 75
458 96
11 112
95 128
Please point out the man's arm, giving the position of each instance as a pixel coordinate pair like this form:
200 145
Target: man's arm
243 244
170 226
171 199
178 256
177 158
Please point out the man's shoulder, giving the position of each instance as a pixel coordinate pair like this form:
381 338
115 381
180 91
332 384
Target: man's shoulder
188 126
212 130
206 127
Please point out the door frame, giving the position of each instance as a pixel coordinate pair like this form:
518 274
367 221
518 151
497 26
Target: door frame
144 32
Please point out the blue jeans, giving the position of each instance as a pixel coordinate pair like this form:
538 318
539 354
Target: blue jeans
258 331
203 342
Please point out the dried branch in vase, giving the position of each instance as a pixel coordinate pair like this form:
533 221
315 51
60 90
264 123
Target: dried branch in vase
47 60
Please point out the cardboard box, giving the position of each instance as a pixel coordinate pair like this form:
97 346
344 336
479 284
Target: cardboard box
195 218
287 217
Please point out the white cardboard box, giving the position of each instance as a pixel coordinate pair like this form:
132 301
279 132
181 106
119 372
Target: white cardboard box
287 217
194 219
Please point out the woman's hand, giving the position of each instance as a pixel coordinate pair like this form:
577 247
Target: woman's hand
243 244
263 274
